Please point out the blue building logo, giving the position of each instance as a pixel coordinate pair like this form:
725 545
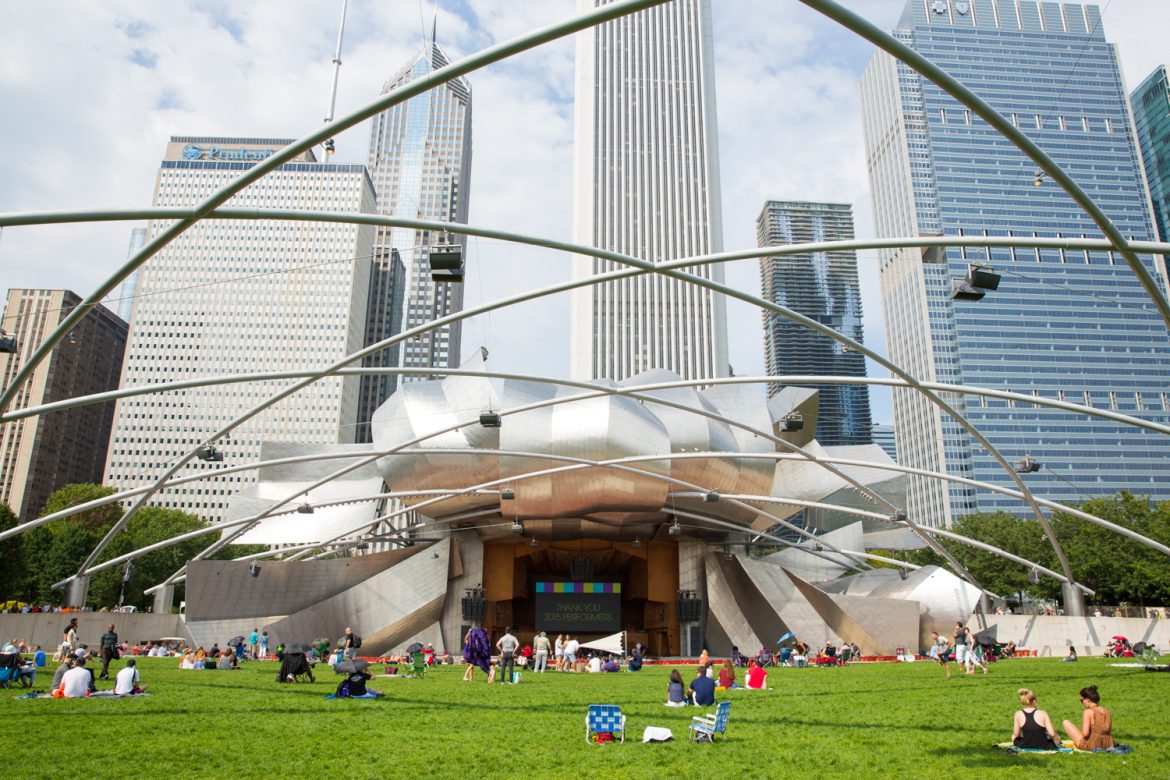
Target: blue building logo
192 152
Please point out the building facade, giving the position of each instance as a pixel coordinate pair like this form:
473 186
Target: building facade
243 297
646 184
823 287
420 163
39 455
1151 113
1064 325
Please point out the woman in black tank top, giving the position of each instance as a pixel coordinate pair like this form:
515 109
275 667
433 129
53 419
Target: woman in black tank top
1032 727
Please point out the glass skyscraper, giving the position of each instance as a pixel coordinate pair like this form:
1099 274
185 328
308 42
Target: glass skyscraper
1151 113
1064 324
420 162
646 184
822 286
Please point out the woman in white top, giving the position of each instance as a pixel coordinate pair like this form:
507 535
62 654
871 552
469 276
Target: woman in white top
559 653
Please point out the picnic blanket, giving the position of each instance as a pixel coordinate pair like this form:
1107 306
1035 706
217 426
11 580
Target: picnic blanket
1066 747
363 696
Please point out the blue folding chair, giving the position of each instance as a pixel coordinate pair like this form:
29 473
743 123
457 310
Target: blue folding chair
605 719
712 723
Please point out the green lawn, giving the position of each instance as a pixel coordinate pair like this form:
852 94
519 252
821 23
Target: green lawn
883 720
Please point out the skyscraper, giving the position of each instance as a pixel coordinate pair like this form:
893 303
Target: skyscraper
128 288
243 297
41 454
420 162
1064 324
646 184
823 287
1151 113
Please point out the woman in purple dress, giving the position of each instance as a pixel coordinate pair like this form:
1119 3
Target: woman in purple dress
477 651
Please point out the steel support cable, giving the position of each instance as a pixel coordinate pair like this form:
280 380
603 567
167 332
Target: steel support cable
666 268
780 379
593 391
442 495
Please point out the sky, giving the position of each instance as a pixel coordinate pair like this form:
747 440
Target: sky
91 96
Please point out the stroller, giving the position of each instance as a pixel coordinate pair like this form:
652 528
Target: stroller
294 667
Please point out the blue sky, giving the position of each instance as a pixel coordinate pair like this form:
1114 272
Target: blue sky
88 130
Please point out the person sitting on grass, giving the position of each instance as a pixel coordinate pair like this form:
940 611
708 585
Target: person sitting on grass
1072 654
75 683
727 675
227 660
355 685
702 689
1032 728
66 665
611 665
594 664
675 691
757 677
126 683
1096 731
635 662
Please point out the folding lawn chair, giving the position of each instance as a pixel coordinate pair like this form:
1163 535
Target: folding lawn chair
711 723
605 719
418 665
9 669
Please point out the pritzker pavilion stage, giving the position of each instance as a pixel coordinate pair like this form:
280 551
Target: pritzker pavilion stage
648 506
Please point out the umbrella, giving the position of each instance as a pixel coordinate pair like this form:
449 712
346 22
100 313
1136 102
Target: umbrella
1121 639
172 639
415 648
352 665
297 647
785 638
235 640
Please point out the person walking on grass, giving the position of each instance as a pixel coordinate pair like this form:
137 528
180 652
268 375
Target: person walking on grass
263 645
254 644
68 641
942 651
507 645
109 650
974 654
959 638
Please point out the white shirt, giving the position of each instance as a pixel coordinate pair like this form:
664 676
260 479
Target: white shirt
127 679
595 664
76 682
572 646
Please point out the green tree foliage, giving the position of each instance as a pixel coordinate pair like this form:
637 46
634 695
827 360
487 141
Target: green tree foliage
11 558
1119 569
148 526
54 551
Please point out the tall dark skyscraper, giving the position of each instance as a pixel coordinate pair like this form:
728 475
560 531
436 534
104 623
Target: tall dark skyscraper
1151 115
822 286
39 455
1067 325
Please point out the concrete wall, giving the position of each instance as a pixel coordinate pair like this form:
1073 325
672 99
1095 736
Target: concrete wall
1053 635
46 628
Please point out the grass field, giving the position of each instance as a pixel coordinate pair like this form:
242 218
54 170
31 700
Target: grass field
866 720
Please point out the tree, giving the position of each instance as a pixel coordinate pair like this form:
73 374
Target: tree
148 526
11 558
56 550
